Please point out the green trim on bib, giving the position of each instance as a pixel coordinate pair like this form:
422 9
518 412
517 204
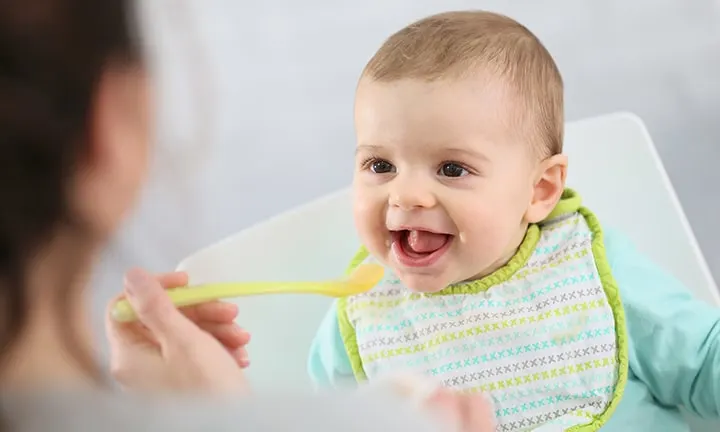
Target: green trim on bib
613 295
570 202
347 331
500 275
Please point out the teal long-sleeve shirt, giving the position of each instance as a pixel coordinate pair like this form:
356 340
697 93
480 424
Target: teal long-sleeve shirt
674 347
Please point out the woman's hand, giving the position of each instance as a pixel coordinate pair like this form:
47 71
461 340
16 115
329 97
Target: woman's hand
460 411
465 412
194 349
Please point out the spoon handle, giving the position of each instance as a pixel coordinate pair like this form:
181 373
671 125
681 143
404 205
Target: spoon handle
187 296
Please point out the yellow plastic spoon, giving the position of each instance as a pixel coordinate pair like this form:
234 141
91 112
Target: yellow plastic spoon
361 280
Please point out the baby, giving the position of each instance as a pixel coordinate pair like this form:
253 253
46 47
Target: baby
498 280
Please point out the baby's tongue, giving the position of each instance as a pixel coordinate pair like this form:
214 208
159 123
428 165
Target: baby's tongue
425 242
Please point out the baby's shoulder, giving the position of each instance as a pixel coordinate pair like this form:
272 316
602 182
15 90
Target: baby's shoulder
616 241
620 251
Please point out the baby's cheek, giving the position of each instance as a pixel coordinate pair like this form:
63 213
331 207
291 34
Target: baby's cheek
482 237
371 230
491 227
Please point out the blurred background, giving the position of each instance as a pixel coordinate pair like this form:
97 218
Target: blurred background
255 104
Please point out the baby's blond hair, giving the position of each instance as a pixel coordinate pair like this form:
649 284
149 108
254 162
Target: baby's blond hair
457 44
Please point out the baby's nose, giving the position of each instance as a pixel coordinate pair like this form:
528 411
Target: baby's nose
409 197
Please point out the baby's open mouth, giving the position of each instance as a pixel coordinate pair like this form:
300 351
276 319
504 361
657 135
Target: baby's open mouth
419 248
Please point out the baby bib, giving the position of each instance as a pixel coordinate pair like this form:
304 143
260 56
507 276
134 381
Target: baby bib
543 337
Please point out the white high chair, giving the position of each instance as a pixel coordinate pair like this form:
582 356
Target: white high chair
613 165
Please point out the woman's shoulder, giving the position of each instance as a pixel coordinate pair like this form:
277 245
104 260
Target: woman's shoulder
111 412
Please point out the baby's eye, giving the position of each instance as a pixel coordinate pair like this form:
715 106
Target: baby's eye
451 169
380 166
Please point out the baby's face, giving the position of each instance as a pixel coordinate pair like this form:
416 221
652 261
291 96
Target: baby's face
441 182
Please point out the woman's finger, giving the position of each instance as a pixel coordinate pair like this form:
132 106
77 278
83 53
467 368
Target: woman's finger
241 357
173 279
230 335
215 311
156 311
445 403
476 414
166 280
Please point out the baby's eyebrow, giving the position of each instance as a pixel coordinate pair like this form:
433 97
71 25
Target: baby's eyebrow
367 147
459 152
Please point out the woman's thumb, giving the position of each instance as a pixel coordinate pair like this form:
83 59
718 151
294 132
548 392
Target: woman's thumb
154 309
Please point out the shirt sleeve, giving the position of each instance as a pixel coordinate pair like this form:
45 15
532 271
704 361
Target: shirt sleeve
328 363
674 338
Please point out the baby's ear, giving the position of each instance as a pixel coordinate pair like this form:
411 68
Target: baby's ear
548 188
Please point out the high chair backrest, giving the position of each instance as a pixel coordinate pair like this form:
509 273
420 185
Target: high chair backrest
613 165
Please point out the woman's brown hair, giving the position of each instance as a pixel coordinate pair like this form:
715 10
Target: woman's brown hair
52 56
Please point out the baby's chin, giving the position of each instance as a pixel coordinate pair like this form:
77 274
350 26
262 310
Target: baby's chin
424 284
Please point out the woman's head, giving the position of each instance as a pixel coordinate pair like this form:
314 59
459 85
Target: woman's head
74 133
